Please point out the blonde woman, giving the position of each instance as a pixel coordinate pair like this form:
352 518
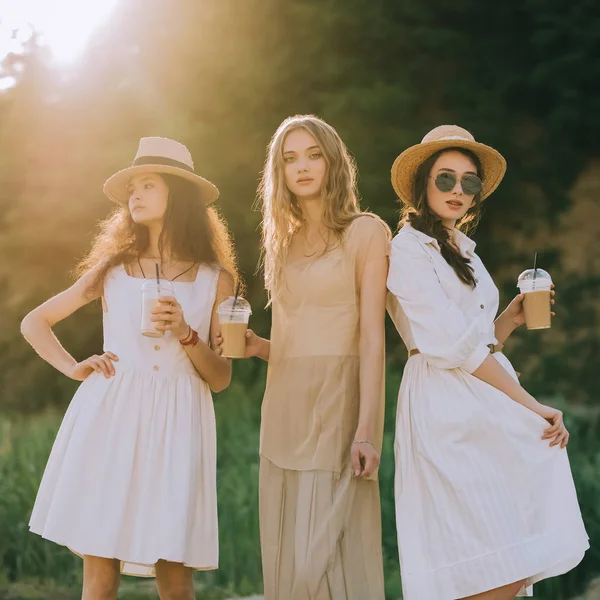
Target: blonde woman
485 501
130 484
322 416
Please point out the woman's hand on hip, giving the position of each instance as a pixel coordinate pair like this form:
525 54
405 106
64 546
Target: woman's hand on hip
100 364
365 458
168 316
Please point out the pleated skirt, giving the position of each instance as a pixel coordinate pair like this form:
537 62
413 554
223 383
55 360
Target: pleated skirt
132 473
320 535
481 500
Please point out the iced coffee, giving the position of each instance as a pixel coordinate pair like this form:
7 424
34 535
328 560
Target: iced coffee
234 314
536 286
152 290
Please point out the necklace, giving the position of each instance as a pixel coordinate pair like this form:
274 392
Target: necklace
308 247
161 270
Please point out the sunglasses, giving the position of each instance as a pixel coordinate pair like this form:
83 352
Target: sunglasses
445 182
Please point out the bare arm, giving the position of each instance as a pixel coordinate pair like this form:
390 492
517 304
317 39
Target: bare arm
513 317
212 367
493 373
503 327
36 328
373 295
257 346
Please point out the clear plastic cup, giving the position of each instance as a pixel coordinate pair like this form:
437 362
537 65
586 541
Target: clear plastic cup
234 314
152 290
536 285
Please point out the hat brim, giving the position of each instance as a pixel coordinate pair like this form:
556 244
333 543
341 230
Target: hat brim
405 167
115 187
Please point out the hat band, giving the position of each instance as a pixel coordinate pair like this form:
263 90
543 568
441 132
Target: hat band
454 137
161 160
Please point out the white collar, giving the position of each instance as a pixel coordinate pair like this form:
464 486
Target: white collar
464 243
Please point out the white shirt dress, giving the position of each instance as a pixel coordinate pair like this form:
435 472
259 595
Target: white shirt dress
481 500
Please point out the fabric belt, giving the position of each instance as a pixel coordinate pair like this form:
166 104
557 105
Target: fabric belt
493 348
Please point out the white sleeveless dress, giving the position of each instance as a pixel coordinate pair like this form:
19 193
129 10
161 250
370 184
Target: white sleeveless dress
132 473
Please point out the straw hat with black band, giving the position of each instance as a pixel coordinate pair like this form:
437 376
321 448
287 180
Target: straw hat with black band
159 155
405 167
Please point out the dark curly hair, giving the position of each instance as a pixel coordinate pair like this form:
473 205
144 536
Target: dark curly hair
192 232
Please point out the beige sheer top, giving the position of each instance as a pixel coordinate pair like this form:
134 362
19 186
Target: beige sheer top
311 403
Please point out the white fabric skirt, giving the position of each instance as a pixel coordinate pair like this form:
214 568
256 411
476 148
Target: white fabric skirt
132 473
481 500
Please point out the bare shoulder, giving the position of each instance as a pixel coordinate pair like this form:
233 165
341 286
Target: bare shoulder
225 284
367 225
91 283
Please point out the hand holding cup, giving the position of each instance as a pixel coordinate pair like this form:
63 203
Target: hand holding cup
251 348
515 310
234 313
167 315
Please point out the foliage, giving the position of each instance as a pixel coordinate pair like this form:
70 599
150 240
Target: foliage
25 444
220 76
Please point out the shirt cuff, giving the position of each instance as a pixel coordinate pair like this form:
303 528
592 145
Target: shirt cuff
477 357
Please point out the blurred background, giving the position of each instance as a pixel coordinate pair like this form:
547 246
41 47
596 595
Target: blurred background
82 81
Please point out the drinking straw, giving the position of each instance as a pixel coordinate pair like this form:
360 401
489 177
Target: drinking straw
157 277
236 293
235 297
534 269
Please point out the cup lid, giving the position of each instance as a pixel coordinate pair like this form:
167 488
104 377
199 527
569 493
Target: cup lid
151 283
534 275
241 305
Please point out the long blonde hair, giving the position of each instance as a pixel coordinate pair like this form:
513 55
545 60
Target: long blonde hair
282 215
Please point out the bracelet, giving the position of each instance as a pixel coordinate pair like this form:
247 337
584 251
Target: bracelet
191 340
188 336
364 442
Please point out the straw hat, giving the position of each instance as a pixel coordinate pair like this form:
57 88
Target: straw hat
405 167
159 155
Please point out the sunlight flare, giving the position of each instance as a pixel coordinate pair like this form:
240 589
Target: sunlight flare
63 26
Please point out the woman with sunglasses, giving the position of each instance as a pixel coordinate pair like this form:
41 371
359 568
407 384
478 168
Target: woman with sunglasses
485 501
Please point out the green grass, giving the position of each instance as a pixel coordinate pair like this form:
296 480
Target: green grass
28 562
129 590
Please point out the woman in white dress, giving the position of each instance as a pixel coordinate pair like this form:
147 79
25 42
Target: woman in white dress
130 484
485 501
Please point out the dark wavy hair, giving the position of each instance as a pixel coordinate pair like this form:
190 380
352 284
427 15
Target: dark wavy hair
421 217
191 231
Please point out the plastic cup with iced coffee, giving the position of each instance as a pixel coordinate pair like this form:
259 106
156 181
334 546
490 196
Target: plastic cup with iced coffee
152 290
234 314
536 286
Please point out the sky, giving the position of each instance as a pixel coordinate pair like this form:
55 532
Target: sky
64 26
